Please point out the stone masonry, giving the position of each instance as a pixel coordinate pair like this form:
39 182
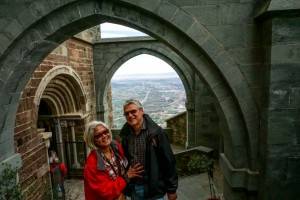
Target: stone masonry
245 51
34 176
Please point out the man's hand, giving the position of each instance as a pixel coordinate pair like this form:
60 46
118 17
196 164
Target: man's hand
172 196
135 171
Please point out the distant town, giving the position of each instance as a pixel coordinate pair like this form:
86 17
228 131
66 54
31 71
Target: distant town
162 96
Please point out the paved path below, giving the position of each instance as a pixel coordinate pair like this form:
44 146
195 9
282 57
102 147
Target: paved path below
190 188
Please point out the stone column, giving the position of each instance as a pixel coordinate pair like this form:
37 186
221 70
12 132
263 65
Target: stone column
64 124
280 134
76 163
191 133
59 140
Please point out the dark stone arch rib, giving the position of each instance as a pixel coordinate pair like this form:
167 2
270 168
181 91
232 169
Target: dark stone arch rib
208 57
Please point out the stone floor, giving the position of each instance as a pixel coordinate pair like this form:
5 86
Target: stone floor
194 187
190 188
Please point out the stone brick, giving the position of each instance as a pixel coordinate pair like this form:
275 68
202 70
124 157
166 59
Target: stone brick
232 36
221 92
206 14
188 3
12 28
282 127
286 5
212 47
178 124
246 56
183 20
150 5
282 54
236 13
166 10
285 73
38 8
285 31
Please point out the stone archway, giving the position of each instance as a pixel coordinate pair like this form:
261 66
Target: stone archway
49 25
122 52
128 50
77 102
61 90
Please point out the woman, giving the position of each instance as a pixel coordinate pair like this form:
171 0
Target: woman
105 174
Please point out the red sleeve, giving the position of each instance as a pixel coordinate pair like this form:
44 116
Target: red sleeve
98 183
63 169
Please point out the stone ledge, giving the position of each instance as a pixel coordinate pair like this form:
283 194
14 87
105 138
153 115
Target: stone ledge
239 177
14 160
203 149
271 8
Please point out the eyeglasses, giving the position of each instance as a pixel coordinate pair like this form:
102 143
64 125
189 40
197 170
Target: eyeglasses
133 112
101 135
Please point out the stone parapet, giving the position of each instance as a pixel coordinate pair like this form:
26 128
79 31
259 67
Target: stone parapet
238 178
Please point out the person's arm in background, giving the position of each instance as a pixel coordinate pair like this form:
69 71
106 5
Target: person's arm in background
63 169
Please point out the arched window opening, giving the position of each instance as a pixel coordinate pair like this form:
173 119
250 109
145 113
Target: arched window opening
152 81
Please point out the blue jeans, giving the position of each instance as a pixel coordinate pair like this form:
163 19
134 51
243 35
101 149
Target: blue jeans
138 193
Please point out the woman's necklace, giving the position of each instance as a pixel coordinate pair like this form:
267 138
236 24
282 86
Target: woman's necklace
108 154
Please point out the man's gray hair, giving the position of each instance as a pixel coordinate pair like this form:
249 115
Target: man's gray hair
89 133
133 101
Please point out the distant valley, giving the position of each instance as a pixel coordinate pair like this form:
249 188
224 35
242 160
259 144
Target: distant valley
162 96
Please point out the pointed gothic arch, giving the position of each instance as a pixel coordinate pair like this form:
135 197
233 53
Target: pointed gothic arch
185 35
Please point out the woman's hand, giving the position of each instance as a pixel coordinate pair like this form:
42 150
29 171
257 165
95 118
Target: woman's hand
135 171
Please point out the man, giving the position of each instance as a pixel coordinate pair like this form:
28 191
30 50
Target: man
146 143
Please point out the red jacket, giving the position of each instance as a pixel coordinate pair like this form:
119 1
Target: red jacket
62 170
97 183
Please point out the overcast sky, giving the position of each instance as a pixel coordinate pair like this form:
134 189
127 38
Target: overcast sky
142 64
109 30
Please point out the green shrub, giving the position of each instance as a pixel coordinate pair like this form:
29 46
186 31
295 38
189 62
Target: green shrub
198 163
10 189
190 163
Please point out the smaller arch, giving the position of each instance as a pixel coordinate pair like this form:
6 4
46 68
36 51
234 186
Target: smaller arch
185 77
55 106
60 76
104 74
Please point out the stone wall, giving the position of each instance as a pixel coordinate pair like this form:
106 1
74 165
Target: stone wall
208 129
280 134
28 141
232 23
178 125
221 39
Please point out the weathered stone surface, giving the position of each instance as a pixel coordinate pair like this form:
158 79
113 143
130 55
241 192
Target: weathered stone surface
285 30
206 15
228 35
150 5
183 20
285 5
166 10
282 126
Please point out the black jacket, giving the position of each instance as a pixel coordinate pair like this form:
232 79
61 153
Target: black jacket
161 175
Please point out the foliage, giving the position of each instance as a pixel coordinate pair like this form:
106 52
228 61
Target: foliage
199 163
192 163
10 189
